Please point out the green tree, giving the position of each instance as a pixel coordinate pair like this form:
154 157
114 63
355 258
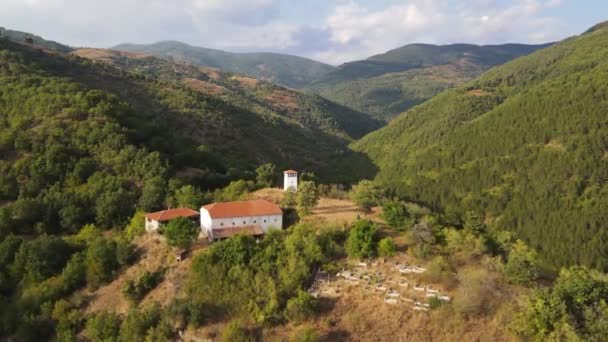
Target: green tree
189 197
101 262
103 326
307 197
181 232
522 265
361 240
265 175
153 194
386 247
366 194
136 226
395 213
289 198
234 332
300 307
474 224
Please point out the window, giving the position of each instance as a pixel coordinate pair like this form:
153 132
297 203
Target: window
254 221
264 221
233 223
243 222
221 224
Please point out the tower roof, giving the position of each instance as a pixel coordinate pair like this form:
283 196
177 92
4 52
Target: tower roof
290 171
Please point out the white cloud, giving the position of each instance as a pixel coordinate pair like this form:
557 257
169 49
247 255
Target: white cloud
348 30
358 32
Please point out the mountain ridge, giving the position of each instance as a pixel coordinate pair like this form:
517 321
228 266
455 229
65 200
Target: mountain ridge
288 70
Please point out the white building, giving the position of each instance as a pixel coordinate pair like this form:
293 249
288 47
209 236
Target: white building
159 218
224 219
290 180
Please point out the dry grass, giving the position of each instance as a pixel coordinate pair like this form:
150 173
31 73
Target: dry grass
329 210
154 254
105 55
283 99
204 87
478 92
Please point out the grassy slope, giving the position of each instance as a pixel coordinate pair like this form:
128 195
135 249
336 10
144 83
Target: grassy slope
390 83
525 143
291 71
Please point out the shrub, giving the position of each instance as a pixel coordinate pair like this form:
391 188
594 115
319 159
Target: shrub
522 265
395 214
147 281
300 307
386 247
307 197
361 240
305 334
366 194
103 326
181 232
136 226
473 291
289 198
234 332
265 175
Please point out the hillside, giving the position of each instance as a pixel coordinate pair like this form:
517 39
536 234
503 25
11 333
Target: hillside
388 84
23 37
525 143
291 71
261 97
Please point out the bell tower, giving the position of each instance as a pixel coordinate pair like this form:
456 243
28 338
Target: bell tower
290 180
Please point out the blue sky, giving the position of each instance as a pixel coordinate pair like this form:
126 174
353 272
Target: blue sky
330 31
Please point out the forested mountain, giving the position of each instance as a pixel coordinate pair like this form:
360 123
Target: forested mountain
28 38
77 136
388 84
291 71
526 144
307 110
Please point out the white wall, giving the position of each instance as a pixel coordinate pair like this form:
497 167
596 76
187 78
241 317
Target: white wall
151 225
290 180
266 222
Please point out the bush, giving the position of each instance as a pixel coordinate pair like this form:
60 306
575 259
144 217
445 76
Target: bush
473 292
522 265
307 197
234 332
136 226
386 247
147 281
181 232
288 200
361 240
395 214
265 175
103 326
366 194
305 334
300 307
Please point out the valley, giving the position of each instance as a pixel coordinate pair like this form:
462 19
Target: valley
169 192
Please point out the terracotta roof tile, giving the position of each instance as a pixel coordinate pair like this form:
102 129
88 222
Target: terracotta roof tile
290 171
257 207
170 214
228 232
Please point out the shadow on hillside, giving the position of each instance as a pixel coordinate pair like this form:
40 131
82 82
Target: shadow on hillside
336 335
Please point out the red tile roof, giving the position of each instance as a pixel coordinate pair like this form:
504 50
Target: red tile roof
256 207
228 232
170 214
290 171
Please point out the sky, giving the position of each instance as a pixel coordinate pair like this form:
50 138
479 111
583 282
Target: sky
333 32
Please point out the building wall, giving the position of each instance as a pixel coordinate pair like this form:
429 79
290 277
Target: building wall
266 222
290 180
151 225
